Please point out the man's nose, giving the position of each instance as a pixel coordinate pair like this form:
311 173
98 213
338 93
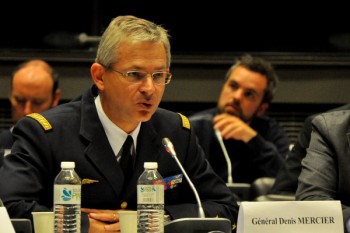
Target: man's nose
238 94
148 84
28 108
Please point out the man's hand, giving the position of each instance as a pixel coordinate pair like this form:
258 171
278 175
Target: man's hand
233 127
102 220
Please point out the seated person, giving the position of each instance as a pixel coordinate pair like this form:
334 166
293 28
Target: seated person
286 181
130 72
325 169
256 143
34 88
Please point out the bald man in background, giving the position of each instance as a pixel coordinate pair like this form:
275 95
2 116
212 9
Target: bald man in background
34 88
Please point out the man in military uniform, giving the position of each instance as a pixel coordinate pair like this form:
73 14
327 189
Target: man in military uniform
129 74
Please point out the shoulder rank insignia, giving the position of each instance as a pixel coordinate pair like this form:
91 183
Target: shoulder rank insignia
185 121
88 181
42 121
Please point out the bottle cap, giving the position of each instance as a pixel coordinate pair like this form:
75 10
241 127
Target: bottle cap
150 165
66 164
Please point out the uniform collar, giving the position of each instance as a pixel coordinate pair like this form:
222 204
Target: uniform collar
116 136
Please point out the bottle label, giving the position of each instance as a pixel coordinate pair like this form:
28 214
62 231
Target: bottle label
150 194
67 194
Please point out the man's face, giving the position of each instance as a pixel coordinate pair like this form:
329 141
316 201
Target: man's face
242 93
127 103
31 92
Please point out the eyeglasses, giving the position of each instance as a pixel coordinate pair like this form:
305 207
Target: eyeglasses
159 77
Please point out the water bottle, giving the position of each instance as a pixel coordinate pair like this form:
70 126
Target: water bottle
150 200
67 199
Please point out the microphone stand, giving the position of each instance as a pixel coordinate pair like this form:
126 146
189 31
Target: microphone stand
240 189
227 157
193 225
200 208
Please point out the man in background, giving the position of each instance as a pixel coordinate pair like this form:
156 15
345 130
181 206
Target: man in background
256 144
34 88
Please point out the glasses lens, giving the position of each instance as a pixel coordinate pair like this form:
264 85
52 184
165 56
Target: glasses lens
160 77
168 78
135 76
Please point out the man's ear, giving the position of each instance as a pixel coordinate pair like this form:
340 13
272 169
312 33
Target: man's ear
56 98
97 71
262 109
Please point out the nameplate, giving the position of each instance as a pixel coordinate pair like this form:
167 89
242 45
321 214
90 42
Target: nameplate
5 222
290 217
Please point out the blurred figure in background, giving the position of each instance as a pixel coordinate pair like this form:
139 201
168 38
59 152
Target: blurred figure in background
325 169
286 182
256 143
34 88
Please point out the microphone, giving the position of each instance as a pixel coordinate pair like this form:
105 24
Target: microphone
192 225
242 190
169 147
227 157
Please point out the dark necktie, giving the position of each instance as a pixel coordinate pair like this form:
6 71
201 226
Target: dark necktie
126 161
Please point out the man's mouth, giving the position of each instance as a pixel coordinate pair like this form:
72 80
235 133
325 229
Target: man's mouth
232 107
146 104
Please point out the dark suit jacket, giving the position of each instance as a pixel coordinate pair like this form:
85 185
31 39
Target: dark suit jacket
287 178
326 167
77 134
260 157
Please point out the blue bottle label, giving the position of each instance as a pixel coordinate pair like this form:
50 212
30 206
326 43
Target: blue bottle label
67 194
150 194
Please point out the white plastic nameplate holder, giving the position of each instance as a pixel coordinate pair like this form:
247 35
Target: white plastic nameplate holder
290 217
5 221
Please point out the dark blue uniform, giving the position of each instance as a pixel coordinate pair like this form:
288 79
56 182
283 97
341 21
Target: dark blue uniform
6 141
73 132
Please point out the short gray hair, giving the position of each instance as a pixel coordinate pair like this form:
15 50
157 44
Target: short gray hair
132 29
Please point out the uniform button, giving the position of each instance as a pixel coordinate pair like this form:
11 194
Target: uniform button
124 205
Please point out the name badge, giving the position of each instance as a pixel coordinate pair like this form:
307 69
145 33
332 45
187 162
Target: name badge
290 217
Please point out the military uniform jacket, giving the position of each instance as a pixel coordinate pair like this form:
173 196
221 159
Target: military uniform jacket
6 139
77 135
